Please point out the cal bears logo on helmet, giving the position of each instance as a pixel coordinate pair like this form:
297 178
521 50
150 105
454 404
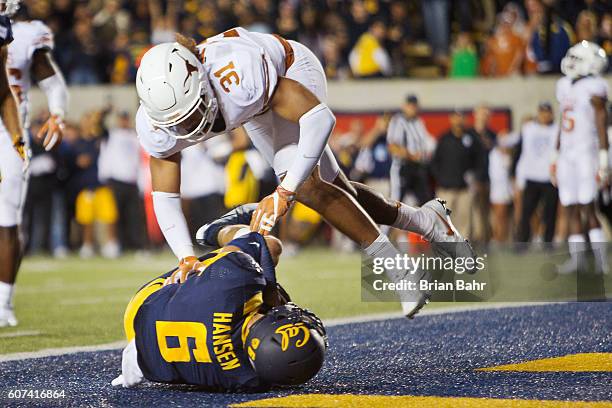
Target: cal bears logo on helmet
287 346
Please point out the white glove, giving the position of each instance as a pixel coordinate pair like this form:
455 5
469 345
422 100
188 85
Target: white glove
131 374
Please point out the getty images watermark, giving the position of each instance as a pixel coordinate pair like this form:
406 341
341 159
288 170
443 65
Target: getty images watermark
515 272
423 264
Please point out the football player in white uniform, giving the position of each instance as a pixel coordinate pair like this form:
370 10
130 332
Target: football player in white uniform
581 162
29 58
277 90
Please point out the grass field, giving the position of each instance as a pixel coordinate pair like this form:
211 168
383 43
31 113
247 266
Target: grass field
72 302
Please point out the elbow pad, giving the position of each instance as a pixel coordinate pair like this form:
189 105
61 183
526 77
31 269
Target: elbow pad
172 223
316 126
56 91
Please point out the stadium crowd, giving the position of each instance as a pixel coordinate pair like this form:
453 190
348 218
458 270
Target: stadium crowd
497 184
101 41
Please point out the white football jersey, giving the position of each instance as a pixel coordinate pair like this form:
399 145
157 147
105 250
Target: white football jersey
578 129
243 69
29 37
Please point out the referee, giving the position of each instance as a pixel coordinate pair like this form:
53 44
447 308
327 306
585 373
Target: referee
410 145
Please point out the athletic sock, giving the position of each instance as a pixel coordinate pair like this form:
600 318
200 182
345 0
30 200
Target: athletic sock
577 247
6 294
599 247
413 219
383 248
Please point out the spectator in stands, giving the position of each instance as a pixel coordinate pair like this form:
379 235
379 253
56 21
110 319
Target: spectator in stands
436 17
604 38
359 21
586 26
109 21
369 58
398 36
410 145
452 160
163 26
310 31
287 24
464 58
504 50
202 201
119 168
83 57
94 202
538 138
122 69
551 38
486 139
334 65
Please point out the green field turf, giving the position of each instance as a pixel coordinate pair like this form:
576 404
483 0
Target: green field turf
75 302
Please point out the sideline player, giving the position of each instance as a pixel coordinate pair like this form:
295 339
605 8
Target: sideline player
277 89
245 334
581 163
28 57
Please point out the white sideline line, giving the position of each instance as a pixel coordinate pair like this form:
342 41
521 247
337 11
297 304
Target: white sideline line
20 333
61 351
330 322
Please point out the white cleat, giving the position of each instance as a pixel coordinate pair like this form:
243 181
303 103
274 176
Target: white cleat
415 301
444 238
7 317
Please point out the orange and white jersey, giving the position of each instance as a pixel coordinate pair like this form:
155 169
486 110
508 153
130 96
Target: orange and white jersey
29 37
578 128
243 69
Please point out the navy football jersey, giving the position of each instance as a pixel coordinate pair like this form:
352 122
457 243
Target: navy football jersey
6 31
193 333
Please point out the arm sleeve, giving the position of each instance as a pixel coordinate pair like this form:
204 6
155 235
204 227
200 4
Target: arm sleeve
56 91
316 126
172 223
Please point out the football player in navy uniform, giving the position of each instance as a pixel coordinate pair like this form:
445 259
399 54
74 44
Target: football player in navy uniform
225 324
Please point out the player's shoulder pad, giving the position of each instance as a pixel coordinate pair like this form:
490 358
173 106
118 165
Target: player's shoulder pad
43 36
248 64
6 30
598 86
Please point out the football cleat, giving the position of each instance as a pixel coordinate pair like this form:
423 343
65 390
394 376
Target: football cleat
207 234
444 238
7 317
417 301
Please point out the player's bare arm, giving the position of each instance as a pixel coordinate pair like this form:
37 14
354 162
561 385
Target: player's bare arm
48 76
293 102
8 107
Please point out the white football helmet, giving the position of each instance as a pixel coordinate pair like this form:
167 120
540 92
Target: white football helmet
584 58
175 92
9 7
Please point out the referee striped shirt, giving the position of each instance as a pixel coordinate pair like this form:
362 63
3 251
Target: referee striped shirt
410 134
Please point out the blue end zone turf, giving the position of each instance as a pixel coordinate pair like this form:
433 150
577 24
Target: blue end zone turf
431 355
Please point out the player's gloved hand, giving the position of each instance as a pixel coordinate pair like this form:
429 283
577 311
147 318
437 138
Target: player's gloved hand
52 132
270 209
185 266
131 374
603 174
